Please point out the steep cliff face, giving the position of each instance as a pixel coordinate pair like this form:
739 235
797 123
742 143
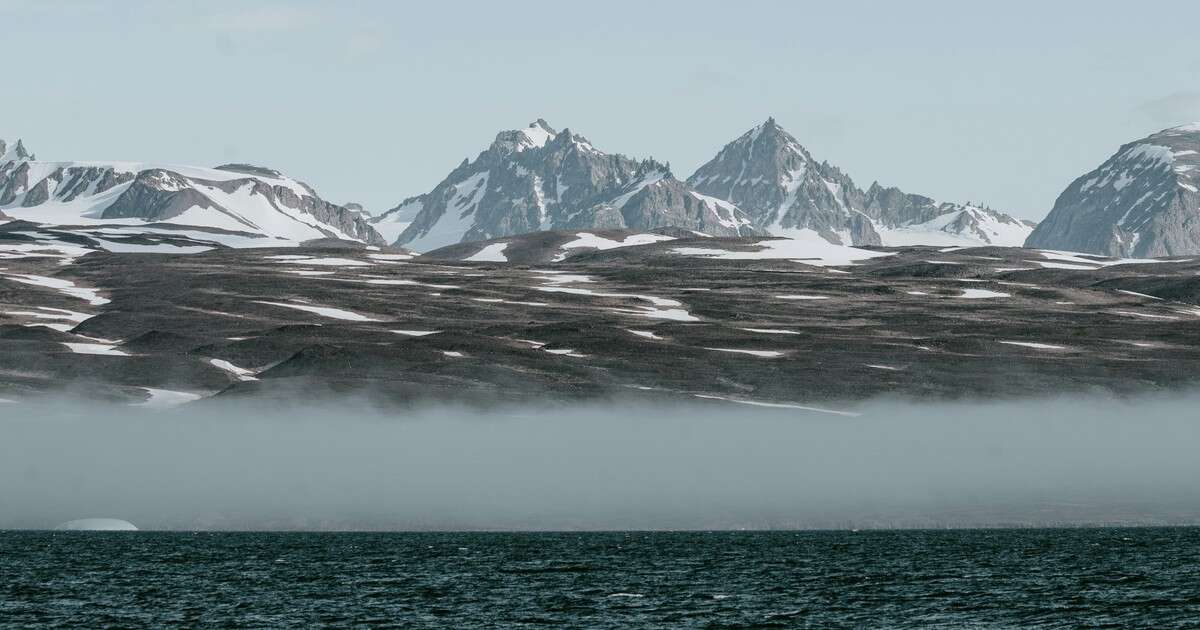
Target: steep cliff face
538 178
776 181
233 198
1144 201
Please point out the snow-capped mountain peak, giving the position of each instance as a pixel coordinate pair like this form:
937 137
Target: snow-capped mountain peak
1143 201
13 153
773 178
234 203
534 136
538 133
536 178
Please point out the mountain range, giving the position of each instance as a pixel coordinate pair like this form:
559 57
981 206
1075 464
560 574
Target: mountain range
234 203
537 179
764 182
1142 202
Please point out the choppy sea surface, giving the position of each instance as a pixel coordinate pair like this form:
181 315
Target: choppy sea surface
966 578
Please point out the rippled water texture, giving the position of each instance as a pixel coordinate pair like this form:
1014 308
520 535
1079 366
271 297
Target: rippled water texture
988 578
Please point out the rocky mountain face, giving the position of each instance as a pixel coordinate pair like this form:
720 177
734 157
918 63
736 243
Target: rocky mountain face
236 199
537 179
1143 202
769 175
10 155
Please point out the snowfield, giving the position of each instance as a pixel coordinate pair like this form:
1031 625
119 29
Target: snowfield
805 246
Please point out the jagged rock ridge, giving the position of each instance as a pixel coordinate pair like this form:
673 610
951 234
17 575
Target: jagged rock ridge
537 178
769 175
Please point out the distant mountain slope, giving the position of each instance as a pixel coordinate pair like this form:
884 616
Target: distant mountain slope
1143 201
777 182
537 179
237 198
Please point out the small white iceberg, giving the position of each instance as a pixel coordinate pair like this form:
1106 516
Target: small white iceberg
98 525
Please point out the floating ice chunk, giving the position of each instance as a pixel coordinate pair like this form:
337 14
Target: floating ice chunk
644 333
98 525
771 331
802 297
416 333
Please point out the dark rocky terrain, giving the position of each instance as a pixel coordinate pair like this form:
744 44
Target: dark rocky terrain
646 321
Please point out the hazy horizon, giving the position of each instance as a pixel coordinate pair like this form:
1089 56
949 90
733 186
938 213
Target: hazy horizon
347 464
372 102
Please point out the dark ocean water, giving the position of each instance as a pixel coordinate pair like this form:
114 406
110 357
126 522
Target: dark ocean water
979 578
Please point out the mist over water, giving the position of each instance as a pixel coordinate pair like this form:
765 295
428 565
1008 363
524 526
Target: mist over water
346 465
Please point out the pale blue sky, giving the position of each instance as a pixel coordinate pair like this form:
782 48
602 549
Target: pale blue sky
374 101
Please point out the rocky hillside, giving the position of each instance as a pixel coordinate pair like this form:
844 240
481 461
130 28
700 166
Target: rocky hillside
622 316
1144 201
768 174
537 179
235 202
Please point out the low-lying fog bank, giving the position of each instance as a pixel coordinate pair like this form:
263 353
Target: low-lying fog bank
350 466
